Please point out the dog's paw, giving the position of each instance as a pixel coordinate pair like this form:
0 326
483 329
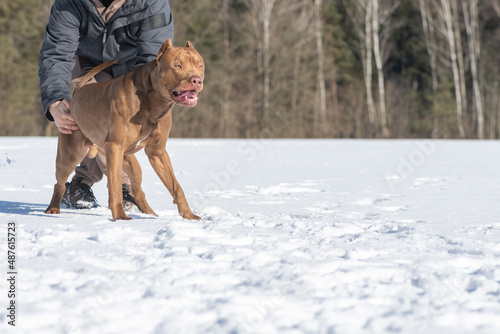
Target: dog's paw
189 215
124 217
52 211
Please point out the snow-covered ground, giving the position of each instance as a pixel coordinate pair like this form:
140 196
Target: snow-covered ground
296 236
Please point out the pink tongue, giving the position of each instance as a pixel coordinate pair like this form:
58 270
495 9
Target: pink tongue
188 95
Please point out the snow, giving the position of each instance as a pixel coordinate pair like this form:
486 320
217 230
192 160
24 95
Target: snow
296 236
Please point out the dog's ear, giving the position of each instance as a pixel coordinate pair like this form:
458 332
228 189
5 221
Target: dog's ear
164 48
189 45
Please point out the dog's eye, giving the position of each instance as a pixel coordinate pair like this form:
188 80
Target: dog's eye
200 67
179 66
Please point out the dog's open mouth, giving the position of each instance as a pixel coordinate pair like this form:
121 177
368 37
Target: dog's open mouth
185 97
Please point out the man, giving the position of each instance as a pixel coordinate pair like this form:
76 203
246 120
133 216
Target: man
80 35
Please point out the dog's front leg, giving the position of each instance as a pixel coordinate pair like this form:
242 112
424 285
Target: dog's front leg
160 161
114 160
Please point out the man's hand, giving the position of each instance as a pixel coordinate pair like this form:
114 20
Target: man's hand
63 119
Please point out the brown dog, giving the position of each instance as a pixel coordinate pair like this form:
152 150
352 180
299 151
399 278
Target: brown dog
129 113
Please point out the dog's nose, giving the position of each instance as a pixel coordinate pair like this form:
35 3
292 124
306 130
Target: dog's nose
196 80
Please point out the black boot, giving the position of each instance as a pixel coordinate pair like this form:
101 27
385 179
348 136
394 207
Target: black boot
128 198
78 195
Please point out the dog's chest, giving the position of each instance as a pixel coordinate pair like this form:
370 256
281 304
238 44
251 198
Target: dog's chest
143 140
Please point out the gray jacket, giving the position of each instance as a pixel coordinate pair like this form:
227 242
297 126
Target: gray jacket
132 35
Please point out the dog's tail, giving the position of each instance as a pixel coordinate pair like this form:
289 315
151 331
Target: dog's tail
87 77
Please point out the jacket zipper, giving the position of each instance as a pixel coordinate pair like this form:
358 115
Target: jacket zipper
114 17
104 36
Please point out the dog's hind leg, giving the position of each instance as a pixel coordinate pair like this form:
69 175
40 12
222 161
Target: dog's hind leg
114 162
133 169
71 149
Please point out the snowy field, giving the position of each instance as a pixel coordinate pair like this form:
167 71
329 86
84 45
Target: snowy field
296 236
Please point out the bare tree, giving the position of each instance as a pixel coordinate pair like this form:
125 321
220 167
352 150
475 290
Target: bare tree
267 9
373 33
381 14
318 32
430 43
460 53
360 14
261 11
225 117
470 9
295 81
448 32
368 53
379 65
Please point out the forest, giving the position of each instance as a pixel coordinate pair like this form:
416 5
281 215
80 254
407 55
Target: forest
304 68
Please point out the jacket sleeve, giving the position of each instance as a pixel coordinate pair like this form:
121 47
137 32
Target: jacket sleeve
154 31
56 60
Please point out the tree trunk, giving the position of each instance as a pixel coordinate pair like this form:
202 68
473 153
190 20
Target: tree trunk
225 121
379 65
322 129
259 64
261 21
494 114
450 36
430 42
460 54
295 83
267 8
471 24
497 108
335 101
368 54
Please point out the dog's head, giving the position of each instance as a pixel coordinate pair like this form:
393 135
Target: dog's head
182 72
